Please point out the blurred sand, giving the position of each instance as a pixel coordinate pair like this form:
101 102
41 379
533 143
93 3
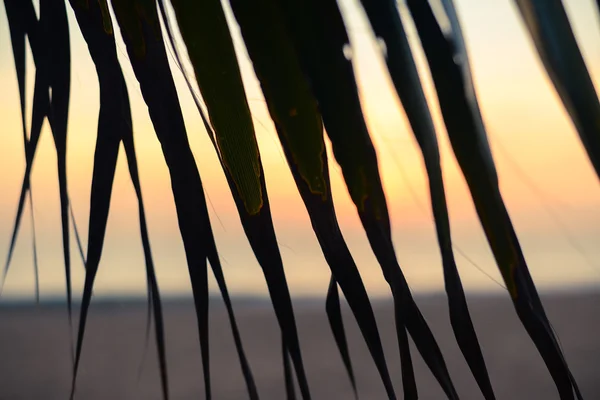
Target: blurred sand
34 355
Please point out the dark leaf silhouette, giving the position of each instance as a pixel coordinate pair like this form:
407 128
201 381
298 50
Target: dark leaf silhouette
387 25
320 38
334 314
298 124
301 55
114 127
18 34
448 61
49 41
206 35
53 21
549 27
140 26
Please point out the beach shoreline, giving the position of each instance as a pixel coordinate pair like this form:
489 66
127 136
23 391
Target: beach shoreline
34 349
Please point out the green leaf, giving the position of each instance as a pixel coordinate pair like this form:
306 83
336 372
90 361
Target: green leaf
298 123
449 65
321 41
141 31
387 25
213 256
205 32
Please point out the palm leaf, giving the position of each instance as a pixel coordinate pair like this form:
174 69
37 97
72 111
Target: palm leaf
298 124
302 57
49 41
205 32
53 21
18 34
114 126
273 278
287 373
449 65
553 37
319 36
336 322
386 23
23 22
139 22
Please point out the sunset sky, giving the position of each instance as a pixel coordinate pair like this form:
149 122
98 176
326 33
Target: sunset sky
547 181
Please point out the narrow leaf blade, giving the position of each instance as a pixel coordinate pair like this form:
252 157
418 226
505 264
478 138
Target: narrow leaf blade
449 65
387 25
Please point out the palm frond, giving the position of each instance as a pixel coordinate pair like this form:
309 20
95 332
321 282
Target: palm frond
141 30
49 41
449 65
298 124
386 23
302 57
555 42
114 127
18 35
55 28
319 35
206 35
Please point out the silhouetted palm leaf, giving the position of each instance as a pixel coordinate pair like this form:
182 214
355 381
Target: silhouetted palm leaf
298 124
449 64
49 41
302 57
141 30
53 21
319 35
387 25
206 35
18 35
549 27
114 127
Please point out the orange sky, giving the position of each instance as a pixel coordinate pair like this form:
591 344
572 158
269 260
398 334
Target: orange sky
519 106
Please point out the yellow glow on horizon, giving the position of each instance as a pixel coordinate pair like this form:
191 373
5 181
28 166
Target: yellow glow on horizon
520 107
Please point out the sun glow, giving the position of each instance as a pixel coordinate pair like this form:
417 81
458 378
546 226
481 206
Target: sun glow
528 129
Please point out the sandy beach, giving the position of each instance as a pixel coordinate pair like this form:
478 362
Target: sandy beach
35 358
